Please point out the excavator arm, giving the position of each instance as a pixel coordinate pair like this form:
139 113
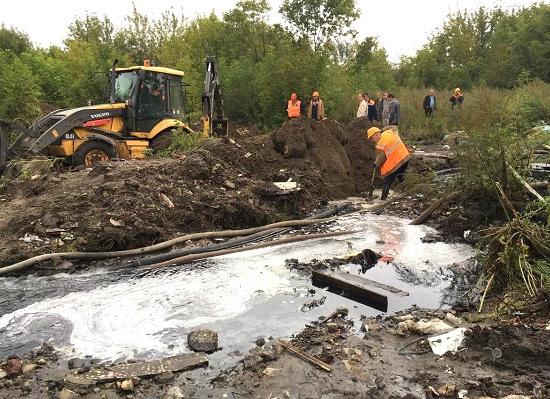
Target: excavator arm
213 120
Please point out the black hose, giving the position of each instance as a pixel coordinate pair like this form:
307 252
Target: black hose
176 253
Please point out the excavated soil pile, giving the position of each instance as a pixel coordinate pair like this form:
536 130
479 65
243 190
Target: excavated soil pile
223 184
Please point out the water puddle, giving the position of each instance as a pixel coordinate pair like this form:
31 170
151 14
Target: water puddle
112 316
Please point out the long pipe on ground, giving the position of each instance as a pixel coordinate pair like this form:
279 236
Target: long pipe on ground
192 258
17 267
178 252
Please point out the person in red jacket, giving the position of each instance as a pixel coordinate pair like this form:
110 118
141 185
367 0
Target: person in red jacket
294 106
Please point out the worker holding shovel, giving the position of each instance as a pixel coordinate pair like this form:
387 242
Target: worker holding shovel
392 157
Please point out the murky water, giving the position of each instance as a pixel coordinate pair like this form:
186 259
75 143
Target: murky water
113 315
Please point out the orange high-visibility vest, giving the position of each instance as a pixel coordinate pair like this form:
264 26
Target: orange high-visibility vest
293 109
395 151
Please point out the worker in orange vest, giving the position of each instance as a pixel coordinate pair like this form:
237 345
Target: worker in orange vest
294 106
392 157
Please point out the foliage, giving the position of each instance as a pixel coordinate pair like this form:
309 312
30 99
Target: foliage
517 252
493 47
182 141
320 20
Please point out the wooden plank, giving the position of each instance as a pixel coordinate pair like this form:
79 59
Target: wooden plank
304 355
142 369
359 281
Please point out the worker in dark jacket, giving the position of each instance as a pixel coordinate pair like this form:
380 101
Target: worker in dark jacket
429 104
395 110
372 110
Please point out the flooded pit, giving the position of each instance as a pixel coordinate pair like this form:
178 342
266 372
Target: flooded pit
114 315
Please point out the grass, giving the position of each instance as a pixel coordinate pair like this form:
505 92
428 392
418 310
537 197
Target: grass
182 142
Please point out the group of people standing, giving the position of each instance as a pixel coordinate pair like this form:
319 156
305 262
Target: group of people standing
386 110
315 107
430 101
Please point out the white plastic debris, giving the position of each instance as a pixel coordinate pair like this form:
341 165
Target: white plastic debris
448 342
32 238
287 185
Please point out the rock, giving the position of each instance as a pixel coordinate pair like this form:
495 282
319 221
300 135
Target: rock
29 368
3 374
203 341
49 221
78 384
332 327
229 185
13 366
451 318
126 385
343 311
260 342
516 397
174 392
269 371
78 364
447 391
68 394
164 377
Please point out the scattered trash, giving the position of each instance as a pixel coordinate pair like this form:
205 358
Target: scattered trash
451 318
304 356
269 371
116 222
126 385
433 326
164 198
247 155
287 185
462 394
28 238
448 342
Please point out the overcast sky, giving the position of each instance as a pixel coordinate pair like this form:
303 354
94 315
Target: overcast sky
402 26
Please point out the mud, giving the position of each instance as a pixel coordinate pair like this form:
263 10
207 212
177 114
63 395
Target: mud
225 183
366 361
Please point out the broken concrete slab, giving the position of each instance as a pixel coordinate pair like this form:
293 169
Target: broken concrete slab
142 369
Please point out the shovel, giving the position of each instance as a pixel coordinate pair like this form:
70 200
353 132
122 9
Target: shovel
371 188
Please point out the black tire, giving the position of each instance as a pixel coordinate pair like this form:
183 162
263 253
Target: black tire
92 152
161 141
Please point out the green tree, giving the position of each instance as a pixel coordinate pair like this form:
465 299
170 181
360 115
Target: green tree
13 40
320 21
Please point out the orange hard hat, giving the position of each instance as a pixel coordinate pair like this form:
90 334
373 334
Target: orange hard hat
315 94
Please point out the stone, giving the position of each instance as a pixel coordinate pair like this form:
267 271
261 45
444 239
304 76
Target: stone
29 368
68 394
229 185
78 383
447 391
3 374
126 385
332 327
269 371
174 392
13 366
260 342
164 377
203 341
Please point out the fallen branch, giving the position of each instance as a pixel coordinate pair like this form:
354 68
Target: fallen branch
525 184
383 203
434 207
304 356
17 267
447 171
192 258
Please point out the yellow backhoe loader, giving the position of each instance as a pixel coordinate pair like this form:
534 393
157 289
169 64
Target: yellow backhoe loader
146 104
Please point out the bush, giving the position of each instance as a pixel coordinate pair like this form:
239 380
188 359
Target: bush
182 141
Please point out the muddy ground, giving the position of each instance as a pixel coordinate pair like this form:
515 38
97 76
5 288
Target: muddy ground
223 184
377 359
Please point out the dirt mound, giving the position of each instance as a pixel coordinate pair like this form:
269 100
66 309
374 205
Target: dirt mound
225 183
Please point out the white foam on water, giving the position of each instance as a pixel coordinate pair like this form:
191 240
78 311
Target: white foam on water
129 318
